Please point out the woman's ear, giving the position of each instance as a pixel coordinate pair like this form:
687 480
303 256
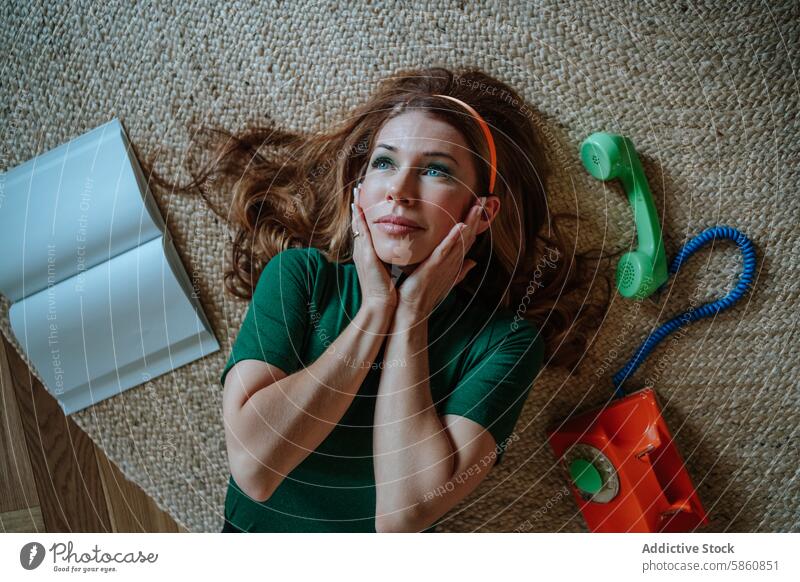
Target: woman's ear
491 206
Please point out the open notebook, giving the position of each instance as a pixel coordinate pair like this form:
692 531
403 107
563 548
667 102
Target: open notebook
100 300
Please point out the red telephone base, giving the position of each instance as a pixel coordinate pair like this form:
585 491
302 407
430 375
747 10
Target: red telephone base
626 474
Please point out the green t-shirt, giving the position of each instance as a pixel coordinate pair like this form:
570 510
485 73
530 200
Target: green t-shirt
481 367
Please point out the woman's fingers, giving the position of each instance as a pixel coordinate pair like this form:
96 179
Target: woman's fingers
373 276
445 256
358 218
354 218
471 219
467 230
360 223
463 231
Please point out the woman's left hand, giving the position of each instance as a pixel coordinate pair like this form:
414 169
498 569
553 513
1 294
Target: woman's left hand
445 268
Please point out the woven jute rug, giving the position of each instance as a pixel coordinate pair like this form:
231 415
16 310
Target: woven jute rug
707 91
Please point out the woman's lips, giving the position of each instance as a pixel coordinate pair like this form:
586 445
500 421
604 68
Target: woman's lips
396 229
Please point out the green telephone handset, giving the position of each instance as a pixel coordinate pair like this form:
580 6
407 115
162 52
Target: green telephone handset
608 156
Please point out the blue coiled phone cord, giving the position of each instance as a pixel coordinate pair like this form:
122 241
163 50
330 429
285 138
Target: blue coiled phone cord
706 310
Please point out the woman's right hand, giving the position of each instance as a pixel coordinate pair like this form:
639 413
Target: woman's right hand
377 287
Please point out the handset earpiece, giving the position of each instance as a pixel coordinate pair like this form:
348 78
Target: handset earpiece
608 156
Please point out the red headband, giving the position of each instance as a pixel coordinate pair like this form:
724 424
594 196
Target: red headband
487 134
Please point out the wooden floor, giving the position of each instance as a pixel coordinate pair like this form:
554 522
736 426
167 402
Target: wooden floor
52 476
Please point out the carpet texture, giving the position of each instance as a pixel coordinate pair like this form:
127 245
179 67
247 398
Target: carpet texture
707 91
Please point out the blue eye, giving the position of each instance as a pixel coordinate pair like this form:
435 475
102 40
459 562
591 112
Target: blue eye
444 172
441 171
378 160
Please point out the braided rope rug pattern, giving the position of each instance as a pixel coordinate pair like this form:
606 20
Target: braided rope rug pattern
708 91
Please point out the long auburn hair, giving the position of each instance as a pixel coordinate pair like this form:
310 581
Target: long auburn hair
294 188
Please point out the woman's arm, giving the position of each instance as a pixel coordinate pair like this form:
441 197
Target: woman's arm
272 425
424 465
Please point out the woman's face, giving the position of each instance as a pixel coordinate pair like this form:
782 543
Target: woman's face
420 169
